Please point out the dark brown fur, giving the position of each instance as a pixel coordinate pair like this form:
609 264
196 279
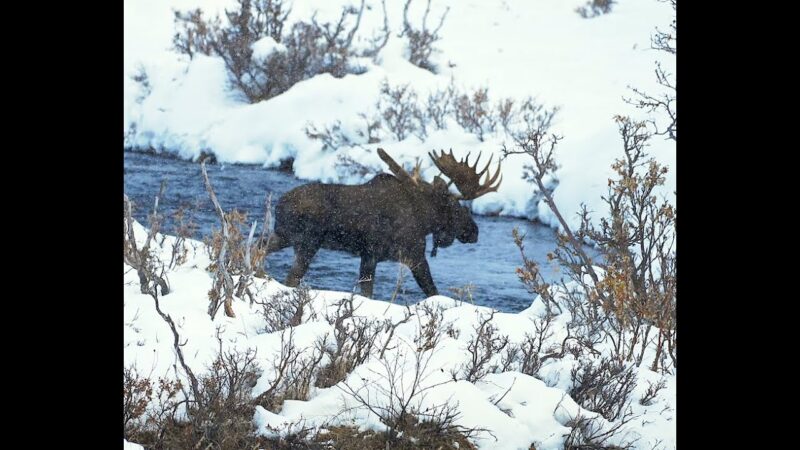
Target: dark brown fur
383 219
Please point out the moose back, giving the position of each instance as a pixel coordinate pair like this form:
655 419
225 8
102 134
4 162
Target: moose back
385 219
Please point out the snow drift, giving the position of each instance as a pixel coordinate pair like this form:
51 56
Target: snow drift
514 409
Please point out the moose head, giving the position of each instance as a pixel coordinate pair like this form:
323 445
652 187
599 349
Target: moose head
453 220
386 218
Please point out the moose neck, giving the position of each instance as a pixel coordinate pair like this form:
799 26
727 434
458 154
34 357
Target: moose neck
435 218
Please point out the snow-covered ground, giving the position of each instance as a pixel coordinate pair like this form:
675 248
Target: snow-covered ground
516 48
516 409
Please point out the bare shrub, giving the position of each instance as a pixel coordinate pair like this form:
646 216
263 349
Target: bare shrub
664 102
371 127
522 116
485 343
463 293
354 339
421 40
474 113
432 329
389 328
258 79
652 392
223 415
633 306
528 356
594 8
331 136
435 434
378 40
216 410
505 113
439 105
184 228
603 386
334 136
399 111
589 434
195 35
159 421
308 48
266 235
287 309
638 238
270 17
534 115
295 435
637 292
217 407
301 375
136 395
293 372
402 411
531 276
664 41
148 266
231 255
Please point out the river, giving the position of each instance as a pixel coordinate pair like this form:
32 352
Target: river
489 266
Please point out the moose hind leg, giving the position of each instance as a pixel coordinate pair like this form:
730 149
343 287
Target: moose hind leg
303 254
366 275
422 274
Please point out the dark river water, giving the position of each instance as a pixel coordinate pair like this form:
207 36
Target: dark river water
487 266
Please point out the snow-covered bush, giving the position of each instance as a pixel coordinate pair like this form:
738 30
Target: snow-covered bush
263 60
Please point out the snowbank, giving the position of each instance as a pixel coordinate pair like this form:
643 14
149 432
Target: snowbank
515 408
517 48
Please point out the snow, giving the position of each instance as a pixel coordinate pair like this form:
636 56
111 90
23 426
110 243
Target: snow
266 46
517 48
130 446
515 409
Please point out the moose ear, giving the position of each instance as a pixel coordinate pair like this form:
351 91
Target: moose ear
439 184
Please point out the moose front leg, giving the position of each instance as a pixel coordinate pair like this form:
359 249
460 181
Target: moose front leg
366 275
303 254
422 274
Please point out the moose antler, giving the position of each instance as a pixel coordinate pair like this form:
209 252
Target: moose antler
397 169
466 177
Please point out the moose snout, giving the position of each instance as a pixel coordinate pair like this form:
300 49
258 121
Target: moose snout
469 236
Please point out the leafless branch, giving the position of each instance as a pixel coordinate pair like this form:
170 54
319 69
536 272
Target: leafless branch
222 277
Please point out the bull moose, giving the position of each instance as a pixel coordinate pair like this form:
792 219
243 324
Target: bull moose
386 218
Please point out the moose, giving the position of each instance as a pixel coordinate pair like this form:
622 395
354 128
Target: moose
386 218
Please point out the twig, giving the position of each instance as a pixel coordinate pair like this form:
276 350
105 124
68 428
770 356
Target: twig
506 393
222 273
